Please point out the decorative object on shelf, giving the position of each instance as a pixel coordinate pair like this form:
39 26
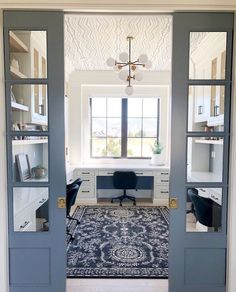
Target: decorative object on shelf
15 64
132 66
13 98
39 172
23 165
157 155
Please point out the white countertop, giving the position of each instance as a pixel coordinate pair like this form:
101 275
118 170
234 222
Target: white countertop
117 166
201 176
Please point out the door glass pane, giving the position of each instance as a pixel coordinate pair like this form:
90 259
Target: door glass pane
29 107
204 210
30 159
30 209
28 54
207 55
206 108
204 159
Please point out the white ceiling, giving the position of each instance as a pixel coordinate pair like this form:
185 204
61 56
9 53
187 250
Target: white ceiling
91 39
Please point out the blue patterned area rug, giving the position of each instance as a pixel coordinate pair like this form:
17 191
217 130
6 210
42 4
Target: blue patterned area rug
119 242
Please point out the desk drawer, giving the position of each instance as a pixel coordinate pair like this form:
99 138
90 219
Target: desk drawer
162 177
84 173
86 192
25 222
138 172
88 182
162 192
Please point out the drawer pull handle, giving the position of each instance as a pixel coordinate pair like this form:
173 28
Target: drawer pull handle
110 173
164 180
85 191
164 192
86 179
139 172
25 224
85 172
165 173
42 201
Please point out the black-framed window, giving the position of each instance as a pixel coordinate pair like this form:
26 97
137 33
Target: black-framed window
123 127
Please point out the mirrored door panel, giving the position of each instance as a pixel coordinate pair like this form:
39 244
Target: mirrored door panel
207 55
28 54
203 209
30 158
30 209
29 107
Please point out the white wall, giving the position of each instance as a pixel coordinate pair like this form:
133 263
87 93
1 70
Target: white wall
83 84
3 191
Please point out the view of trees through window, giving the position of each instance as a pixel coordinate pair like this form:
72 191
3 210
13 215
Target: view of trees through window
124 127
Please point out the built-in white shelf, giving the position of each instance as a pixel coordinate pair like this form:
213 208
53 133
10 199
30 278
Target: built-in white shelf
215 142
29 142
16 45
18 106
16 73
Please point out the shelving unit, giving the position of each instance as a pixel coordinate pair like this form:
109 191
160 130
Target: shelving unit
215 142
16 74
19 107
29 142
16 45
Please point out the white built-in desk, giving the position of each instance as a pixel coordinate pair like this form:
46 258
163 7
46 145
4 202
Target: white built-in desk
154 182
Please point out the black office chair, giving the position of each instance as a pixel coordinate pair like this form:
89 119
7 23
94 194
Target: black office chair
71 194
207 212
125 180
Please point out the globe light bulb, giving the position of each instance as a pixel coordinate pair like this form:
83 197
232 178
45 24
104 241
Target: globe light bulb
123 75
148 64
129 89
111 62
143 58
139 76
116 68
124 57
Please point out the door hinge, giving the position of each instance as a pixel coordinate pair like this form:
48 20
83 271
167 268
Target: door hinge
173 203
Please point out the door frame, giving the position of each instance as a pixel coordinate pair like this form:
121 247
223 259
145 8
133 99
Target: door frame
231 267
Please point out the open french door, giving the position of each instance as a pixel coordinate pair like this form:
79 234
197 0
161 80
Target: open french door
34 72
201 80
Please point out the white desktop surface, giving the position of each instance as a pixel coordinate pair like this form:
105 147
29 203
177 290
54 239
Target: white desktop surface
117 166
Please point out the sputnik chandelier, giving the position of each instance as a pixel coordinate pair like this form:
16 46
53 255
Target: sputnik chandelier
133 72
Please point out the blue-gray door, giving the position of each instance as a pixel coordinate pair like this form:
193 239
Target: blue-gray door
201 88
34 73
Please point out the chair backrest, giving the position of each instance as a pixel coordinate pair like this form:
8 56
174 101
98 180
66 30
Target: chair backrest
207 211
71 195
126 180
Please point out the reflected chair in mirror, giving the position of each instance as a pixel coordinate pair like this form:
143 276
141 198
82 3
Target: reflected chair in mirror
71 194
206 211
124 180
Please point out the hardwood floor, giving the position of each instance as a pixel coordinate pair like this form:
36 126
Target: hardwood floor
116 285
